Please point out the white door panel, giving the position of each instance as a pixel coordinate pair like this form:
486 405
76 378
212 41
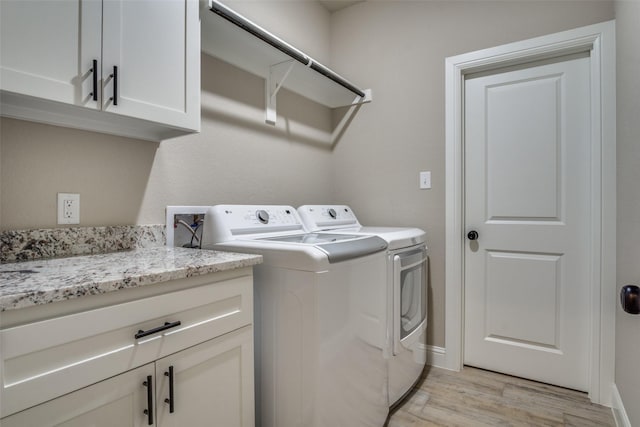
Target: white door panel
151 58
525 287
117 401
527 194
212 383
522 177
50 58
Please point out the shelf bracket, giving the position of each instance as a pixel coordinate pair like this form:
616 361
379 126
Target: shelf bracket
278 73
368 97
343 123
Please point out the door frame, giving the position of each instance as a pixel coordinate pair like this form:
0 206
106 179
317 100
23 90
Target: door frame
599 40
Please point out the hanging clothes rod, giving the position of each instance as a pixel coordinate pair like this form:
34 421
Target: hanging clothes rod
242 22
316 66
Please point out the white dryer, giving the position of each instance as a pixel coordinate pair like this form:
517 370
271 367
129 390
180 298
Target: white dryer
320 317
406 292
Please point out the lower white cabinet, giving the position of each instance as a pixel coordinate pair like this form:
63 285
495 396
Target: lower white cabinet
211 384
208 384
118 401
175 358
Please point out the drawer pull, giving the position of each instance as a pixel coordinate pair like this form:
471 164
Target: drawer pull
167 325
149 411
170 400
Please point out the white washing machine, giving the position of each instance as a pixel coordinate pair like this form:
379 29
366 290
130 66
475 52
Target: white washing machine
320 317
406 292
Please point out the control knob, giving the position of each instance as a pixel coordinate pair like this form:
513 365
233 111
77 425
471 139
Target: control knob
263 216
332 213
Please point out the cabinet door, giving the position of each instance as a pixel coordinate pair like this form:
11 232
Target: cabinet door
47 48
211 381
155 46
118 401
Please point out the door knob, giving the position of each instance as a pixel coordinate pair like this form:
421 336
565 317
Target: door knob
630 299
472 235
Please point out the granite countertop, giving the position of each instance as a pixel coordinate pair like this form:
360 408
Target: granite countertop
32 283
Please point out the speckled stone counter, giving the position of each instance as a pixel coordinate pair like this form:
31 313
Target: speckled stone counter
27 245
32 283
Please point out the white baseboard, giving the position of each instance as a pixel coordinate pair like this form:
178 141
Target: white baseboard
436 356
619 413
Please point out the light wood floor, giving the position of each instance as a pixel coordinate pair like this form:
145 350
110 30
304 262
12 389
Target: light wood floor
474 398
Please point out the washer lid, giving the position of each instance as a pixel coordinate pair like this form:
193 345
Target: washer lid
338 247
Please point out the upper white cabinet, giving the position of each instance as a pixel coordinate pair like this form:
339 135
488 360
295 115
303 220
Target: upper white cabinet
116 66
47 49
148 41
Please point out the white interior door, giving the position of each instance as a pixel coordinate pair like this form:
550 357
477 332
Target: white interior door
527 194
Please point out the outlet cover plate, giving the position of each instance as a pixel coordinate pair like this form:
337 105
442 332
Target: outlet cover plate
425 180
68 208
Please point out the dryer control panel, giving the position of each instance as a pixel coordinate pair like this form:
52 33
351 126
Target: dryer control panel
327 217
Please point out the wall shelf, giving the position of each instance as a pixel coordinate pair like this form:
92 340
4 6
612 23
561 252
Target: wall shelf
233 38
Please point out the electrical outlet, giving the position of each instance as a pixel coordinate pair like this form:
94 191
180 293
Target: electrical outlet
68 208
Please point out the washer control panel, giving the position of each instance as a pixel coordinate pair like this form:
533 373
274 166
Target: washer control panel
241 216
227 222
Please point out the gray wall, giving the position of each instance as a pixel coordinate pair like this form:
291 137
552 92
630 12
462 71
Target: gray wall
236 158
399 49
628 112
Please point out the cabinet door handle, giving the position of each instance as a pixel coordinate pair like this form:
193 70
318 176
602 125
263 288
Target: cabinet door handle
114 76
94 71
149 411
170 400
167 325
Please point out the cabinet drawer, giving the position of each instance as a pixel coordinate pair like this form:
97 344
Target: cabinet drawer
46 359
